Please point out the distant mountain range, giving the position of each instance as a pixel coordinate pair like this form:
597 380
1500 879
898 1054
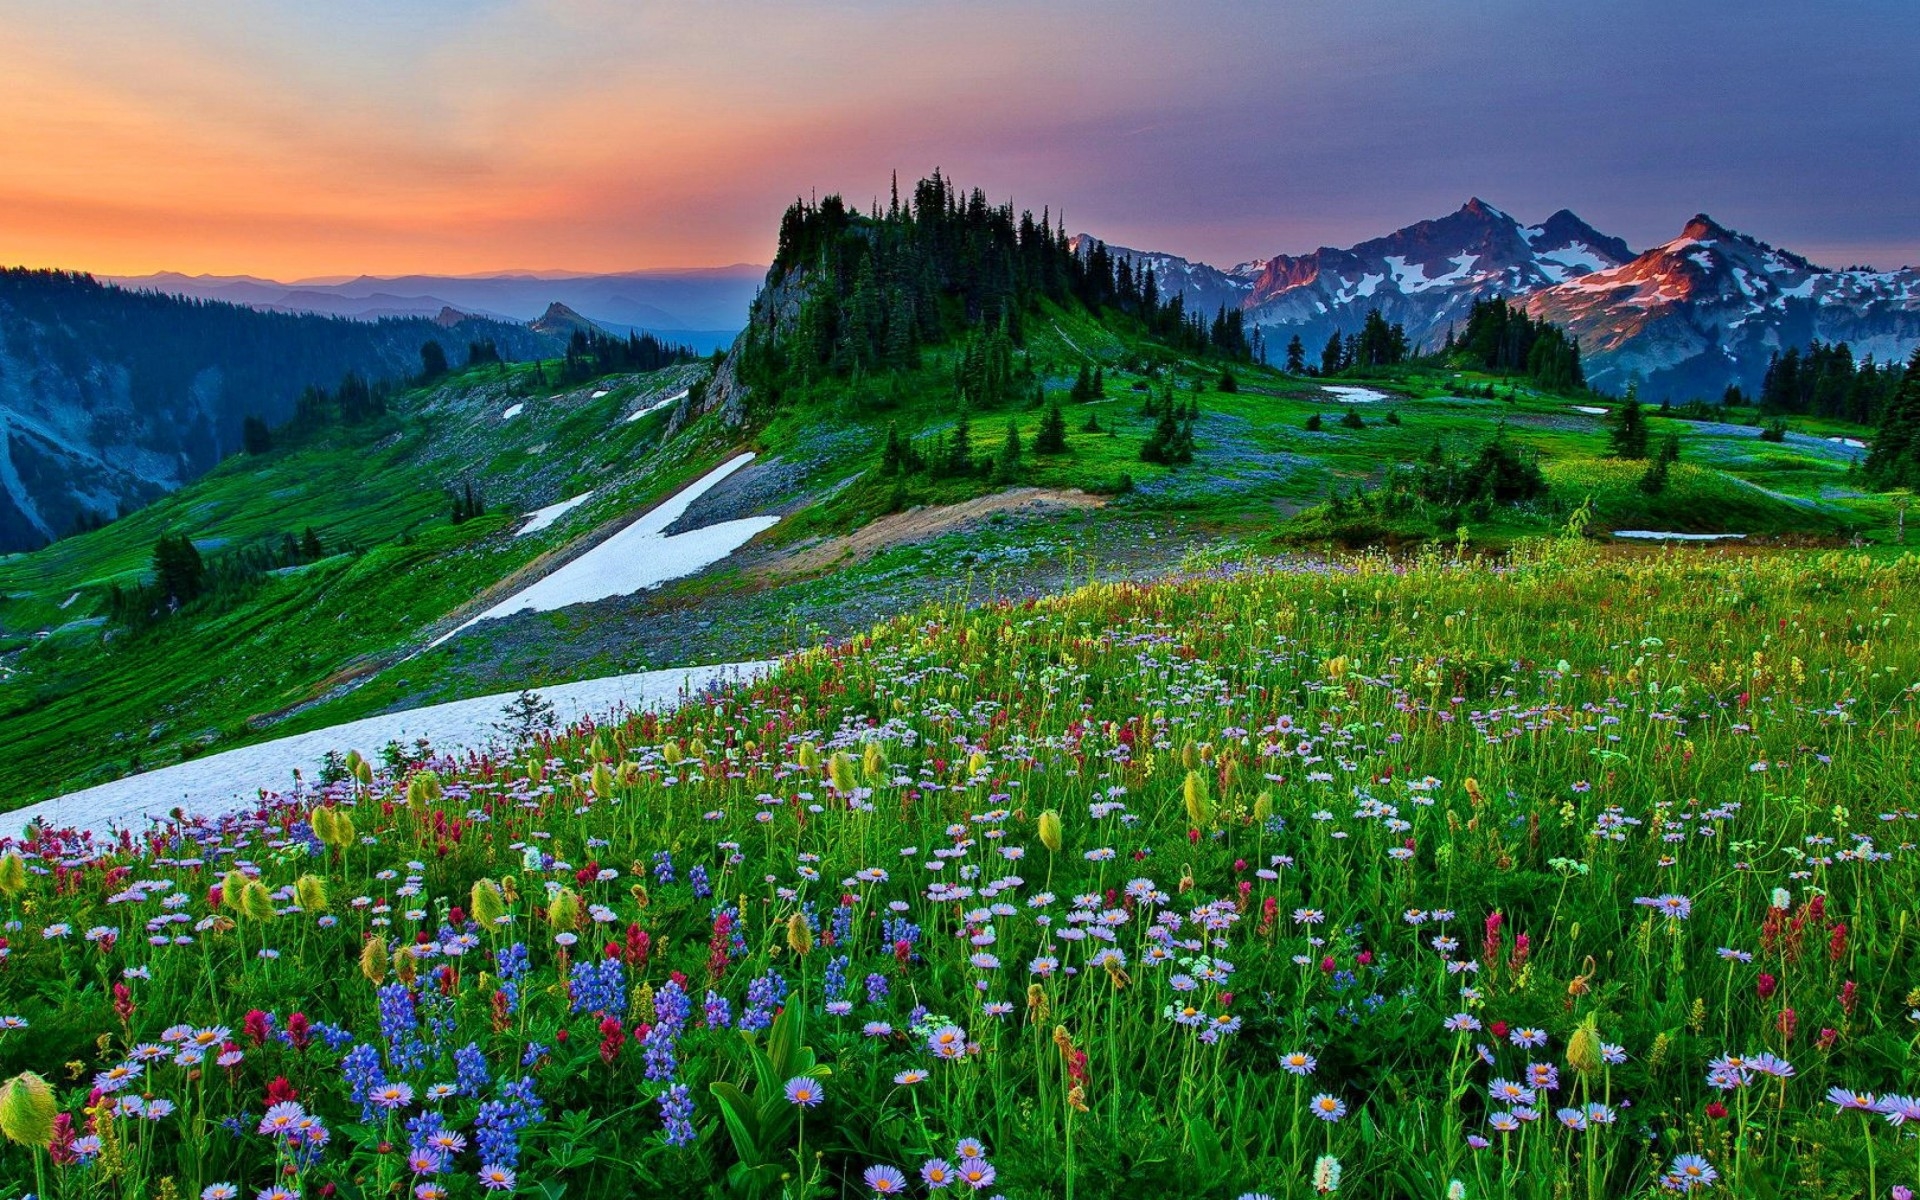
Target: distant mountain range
702 307
110 398
1684 319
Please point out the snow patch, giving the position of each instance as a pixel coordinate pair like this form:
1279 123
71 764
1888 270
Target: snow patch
657 405
1409 277
219 782
1575 258
598 394
1356 395
513 412
639 557
543 518
1661 535
1591 410
1855 443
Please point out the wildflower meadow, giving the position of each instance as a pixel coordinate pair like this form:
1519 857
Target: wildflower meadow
1571 874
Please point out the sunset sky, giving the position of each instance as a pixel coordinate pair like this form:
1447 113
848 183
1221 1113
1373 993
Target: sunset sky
290 139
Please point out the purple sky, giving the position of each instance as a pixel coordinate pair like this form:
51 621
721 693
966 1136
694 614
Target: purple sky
284 138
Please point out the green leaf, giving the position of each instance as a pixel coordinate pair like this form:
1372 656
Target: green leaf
742 1125
1204 1145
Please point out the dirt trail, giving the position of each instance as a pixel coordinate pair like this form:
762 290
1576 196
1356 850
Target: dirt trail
922 523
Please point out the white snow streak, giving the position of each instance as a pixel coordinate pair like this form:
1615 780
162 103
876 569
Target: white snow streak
657 405
220 782
1356 395
543 518
639 557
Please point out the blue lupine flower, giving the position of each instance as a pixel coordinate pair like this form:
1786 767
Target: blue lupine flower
835 980
676 1106
470 1069
764 995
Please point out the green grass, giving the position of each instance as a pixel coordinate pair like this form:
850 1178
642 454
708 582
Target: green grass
83 708
89 703
1422 821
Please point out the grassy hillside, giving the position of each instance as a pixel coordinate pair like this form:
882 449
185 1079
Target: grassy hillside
1565 875
85 699
872 329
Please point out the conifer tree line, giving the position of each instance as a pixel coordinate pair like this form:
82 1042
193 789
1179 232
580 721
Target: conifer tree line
591 354
869 291
170 350
181 576
1501 337
1824 381
1894 461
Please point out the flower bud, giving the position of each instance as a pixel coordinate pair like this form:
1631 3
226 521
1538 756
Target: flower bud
1050 831
13 874
27 1110
488 903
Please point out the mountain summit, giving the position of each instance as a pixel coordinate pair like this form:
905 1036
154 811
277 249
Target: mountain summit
1710 308
1684 319
1425 276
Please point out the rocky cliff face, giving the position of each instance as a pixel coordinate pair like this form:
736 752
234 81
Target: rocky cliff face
775 310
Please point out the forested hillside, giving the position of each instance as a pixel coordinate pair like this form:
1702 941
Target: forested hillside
110 398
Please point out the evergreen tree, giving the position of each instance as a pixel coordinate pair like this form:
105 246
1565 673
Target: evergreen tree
959 455
1052 438
1894 461
179 573
1629 437
1296 357
1228 383
1330 355
310 548
1082 386
255 437
1006 464
433 361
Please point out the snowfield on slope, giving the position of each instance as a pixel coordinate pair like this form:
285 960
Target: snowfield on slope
222 782
543 518
641 556
657 405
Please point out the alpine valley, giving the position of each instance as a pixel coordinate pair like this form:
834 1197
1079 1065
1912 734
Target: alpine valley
1078 567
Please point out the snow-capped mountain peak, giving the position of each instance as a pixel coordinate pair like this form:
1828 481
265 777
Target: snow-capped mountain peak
1710 307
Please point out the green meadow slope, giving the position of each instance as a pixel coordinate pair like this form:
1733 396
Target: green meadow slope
86 698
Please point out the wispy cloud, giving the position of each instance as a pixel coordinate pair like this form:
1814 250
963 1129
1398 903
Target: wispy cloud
291 138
